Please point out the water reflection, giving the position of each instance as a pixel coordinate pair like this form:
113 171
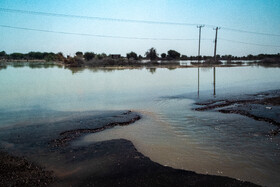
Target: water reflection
198 82
75 70
3 67
214 80
152 70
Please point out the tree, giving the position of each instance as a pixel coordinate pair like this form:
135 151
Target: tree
101 56
17 56
36 55
131 55
60 57
3 54
50 57
152 54
250 57
163 55
89 55
173 54
184 57
79 54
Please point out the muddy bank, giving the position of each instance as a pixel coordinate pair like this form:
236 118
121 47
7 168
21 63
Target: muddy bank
264 106
107 163
120 164
70 135
31 136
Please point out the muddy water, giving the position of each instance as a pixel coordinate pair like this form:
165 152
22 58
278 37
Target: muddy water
234 155
170 132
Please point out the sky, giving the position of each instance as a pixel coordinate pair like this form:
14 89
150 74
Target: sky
250 15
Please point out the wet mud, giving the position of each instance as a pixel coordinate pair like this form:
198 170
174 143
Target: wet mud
17 171
264 106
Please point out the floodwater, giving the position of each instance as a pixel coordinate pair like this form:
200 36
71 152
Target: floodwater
170 132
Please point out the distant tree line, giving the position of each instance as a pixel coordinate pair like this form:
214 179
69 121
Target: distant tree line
151 54
32 56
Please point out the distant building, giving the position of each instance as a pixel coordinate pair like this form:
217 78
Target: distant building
115 56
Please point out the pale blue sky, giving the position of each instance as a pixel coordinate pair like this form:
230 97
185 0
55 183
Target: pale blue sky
252 15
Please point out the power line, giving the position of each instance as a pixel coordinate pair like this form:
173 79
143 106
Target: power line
250 32
131 21
94 17
263 45
98 35
127 37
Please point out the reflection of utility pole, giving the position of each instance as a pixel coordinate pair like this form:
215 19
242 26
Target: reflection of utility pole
199 26
214 74
198 82
215 49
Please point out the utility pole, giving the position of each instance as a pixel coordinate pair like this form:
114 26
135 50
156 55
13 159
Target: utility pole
199 26
215 49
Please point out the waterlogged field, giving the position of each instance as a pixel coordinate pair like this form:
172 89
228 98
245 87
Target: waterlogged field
170 132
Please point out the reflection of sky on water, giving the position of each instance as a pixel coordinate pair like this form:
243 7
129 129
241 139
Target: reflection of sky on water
60 89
